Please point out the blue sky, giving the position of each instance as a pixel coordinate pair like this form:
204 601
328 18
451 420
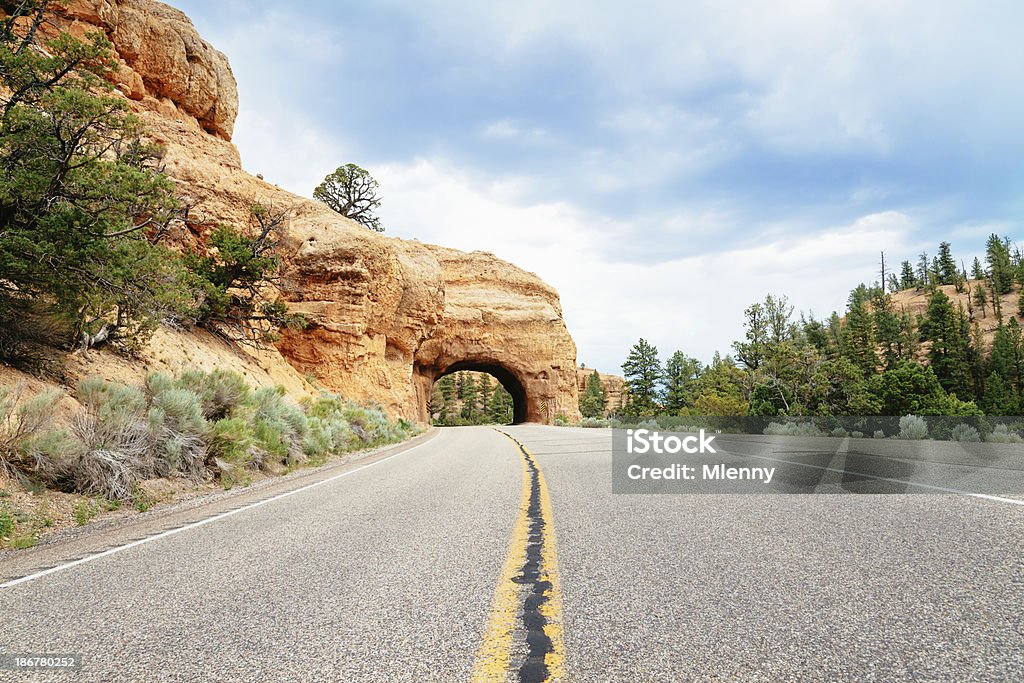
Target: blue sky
662 164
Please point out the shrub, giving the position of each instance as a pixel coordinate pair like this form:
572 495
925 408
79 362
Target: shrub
6 523
913 427
114 444
230 444
179 431
840 433
964 432
278 426
220 391
1002 434
793 429
27 444
594 422
879 434
857 435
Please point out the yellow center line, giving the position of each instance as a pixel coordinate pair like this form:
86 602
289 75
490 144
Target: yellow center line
493 662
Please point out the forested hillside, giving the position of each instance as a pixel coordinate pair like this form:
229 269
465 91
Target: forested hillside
935 338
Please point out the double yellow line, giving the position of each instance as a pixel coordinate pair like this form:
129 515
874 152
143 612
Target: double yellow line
494 657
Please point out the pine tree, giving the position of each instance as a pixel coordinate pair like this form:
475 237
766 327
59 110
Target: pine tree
997 301
681 374
445 386
998 398
858 337
720 389
948 331
486 388
977 272
468 395
642 371
893 283
888 331
593 399
499 409
980 299
923 271
946 266
1000 267
907 278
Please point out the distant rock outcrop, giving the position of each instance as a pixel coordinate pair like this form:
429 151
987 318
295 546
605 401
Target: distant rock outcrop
614 389
387 316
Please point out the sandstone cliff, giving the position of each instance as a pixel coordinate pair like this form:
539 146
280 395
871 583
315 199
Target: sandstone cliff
614 388
388 316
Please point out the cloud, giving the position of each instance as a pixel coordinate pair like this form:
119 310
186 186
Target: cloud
663 166
693 303
510 131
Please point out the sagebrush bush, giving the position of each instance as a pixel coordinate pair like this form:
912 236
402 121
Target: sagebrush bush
230 444
279 426
1002 434
27 441
793 429
113 446
195 425
965 433
220 391
594 422
913 427
879 434
179 432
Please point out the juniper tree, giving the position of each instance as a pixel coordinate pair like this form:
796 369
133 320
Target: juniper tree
84 201
352 192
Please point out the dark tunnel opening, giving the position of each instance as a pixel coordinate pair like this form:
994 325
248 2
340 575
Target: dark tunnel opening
507 380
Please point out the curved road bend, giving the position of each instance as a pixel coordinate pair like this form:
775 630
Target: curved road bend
439 564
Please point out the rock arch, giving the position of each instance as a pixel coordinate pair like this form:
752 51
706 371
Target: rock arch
384 316
523 405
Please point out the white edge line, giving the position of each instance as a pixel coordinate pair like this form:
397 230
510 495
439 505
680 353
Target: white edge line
986 496
202 522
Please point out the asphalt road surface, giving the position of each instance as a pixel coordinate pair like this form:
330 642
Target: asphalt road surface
478 555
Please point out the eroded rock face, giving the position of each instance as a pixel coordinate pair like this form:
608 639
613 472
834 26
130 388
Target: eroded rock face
164 61
614 389
387 316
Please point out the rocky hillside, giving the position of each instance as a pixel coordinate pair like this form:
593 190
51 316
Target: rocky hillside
916 303
387 316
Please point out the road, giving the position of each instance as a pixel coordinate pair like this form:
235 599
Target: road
481 555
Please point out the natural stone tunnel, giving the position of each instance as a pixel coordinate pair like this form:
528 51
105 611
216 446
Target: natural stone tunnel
521 408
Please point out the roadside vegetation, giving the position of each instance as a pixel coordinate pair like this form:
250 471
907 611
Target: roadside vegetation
195 428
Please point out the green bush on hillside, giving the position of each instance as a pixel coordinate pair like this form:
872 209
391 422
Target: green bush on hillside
196 425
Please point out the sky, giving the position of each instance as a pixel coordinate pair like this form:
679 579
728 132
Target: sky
662 164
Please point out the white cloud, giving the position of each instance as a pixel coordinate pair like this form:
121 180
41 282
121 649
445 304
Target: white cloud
693 303
509 130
